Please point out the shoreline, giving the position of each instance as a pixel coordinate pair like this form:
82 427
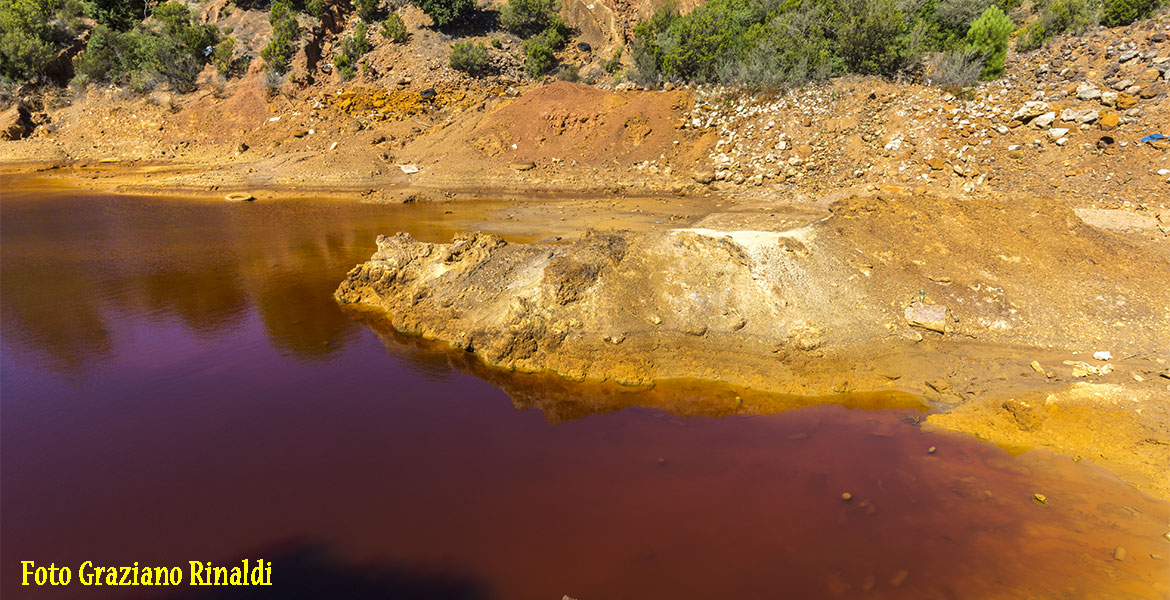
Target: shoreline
979 387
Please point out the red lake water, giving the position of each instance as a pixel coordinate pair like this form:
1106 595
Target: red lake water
178 385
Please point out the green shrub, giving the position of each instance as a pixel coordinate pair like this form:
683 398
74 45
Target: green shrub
647 51
471 58
538 58
497 44
1057 17
614 63
957 68
446 12
958 15
26 37
394 29
352 49
285 34
1124 12
366 9
221 57
988 35
31 34
118 15
315 8
1074 16
540 50
526 18
871 36
1032 37
570 73
789 49
781 42
169 47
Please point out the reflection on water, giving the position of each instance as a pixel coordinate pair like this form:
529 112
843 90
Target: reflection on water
179 385
561 400
72 265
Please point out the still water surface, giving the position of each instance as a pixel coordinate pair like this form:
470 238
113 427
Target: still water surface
177 384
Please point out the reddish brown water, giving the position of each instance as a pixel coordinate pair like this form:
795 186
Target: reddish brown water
177 384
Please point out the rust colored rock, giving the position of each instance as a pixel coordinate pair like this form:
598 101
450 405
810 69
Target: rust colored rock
15 123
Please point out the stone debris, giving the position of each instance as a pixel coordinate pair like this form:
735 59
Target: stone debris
927 316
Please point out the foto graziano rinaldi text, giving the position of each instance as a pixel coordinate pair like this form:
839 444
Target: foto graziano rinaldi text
246 573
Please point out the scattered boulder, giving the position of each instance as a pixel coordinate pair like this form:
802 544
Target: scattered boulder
1030 110
1151 91
1125 101
1044 120
703 177
927 316
15 123
1087 92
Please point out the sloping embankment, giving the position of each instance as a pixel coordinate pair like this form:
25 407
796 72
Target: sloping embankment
779 302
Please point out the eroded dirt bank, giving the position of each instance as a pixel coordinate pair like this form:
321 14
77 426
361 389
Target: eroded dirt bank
917 293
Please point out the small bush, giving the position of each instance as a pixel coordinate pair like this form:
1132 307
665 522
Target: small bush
648 53
366 9
394 29
221 57
614 63
285 34
471 58
1057 17
958 15
526 18
352 49
1124 12
446 12
958 68
538 59
790 49
315 8
1032 37
31 34
168 48
119 15
497 44
871 36
988 36
1074 16
570 73
540 50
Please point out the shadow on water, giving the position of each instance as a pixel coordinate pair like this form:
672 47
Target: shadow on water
314 572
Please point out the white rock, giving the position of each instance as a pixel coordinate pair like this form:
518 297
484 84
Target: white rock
1030 110
1058 132
1044 120
1087 92
1102 355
